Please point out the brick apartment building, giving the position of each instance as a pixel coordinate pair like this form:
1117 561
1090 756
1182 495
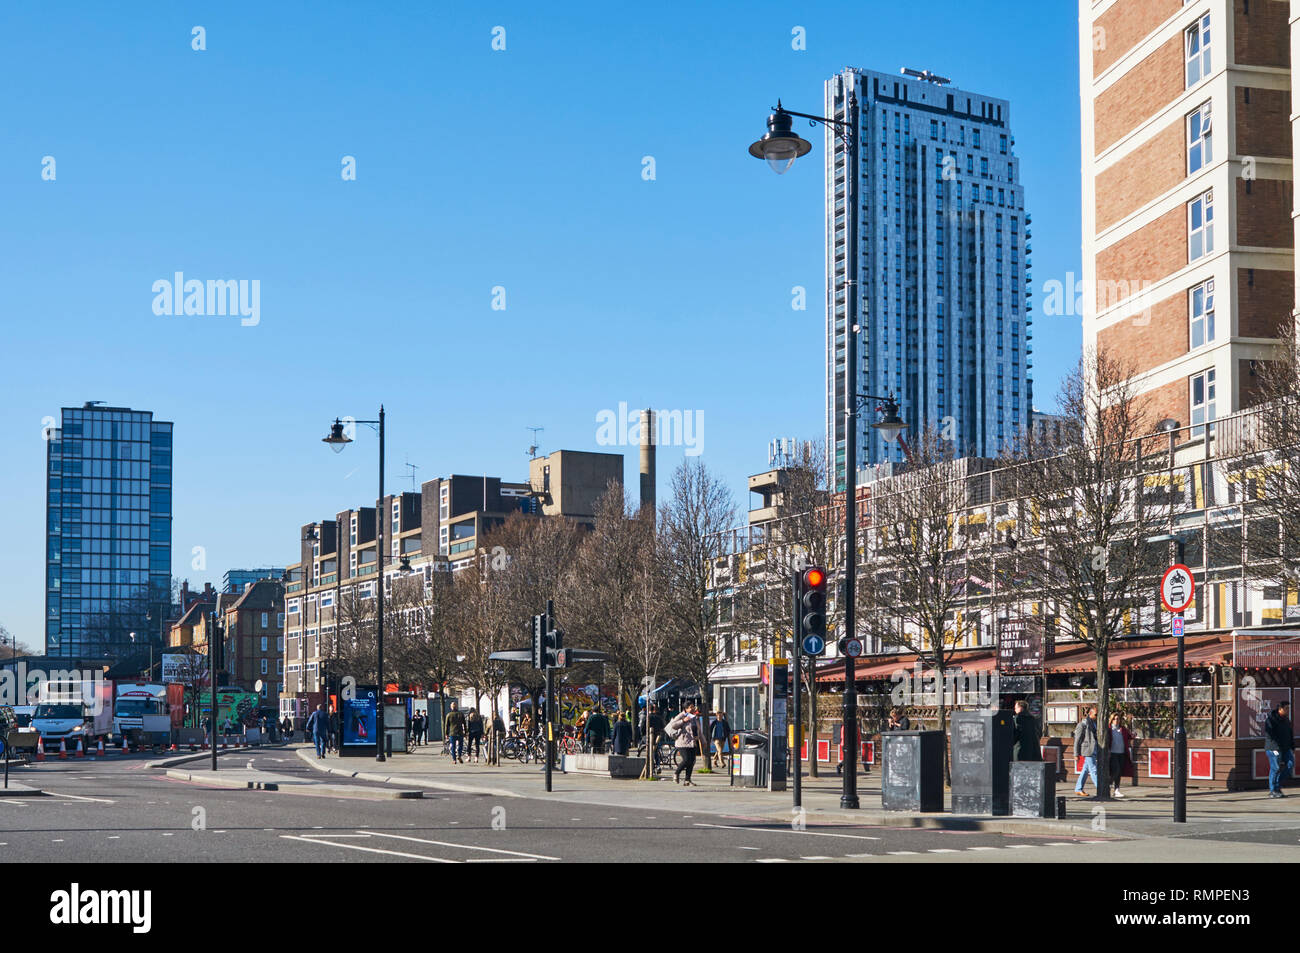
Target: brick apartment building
1189 230
439 529
254 638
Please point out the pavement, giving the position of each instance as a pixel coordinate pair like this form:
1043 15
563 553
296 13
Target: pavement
1143 812
141 808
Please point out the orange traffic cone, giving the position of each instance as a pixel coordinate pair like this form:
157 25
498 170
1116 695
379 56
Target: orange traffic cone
173 747
125 747
40 749
81 752
63 750
99 752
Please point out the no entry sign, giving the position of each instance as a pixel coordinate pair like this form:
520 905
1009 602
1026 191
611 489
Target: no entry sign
1177 588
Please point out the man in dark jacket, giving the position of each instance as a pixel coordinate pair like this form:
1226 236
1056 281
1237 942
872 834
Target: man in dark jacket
1279 743
622 741
454 727
1025 746
596 731
318 726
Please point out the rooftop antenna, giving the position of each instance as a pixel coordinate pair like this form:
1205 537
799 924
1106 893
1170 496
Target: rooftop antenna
412 467
532 448
926 76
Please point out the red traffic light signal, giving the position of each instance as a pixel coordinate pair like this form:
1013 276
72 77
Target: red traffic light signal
812 578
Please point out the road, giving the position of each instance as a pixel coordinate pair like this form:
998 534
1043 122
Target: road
121 810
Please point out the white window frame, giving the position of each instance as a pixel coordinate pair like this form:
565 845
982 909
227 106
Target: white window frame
265 643
1200 137
1201 324
1200 241
266 619
1202 414
1198 61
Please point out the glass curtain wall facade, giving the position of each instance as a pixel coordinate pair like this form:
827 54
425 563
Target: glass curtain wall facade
109 532
943 267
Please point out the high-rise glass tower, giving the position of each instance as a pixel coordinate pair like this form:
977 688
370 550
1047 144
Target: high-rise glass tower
109 532
943 266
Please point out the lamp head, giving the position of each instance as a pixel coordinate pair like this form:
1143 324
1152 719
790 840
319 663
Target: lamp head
780 145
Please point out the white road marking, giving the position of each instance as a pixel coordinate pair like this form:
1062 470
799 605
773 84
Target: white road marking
784 830
79 797
13 802
170 834
815 857
114 837
1019 846
369 850
1061 843
490 850
859 855
941 850
899 853
771 860
746 848
983 848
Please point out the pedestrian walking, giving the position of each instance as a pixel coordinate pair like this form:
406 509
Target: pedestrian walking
474 731
1086 747
1279 744
597 730
1119 753
685 732
333 725
898 721
454 729
720 733
1025 746
621 742
318 725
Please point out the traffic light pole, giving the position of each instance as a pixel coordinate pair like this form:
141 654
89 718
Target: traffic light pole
1180 728
797 632
550 723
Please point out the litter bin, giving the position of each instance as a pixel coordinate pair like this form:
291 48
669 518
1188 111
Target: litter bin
912 779
1033 788
750 761
981 762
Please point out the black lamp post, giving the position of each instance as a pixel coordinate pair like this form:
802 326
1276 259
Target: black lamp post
780 146
337 440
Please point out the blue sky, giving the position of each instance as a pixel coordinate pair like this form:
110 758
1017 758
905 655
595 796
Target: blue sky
475 169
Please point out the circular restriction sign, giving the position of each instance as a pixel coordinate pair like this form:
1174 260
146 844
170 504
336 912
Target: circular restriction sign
853 648
1177 588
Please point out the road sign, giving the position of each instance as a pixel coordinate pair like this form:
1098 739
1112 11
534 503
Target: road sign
1177 588
1178 627
813 644
853 648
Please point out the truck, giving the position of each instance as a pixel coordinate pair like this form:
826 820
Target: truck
74 709
133 701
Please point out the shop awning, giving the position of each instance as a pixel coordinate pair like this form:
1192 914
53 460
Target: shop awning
879 667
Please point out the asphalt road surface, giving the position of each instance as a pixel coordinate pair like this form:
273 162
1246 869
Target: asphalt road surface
120 810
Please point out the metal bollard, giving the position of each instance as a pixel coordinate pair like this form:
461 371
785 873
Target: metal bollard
1060 808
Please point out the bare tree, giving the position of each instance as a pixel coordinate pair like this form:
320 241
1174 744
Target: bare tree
691 522
10 647
1259 452
1089 513
913 588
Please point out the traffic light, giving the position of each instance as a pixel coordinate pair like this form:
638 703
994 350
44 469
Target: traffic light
547 643
539 630
811 614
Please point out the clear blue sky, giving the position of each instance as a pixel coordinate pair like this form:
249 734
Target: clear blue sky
475 169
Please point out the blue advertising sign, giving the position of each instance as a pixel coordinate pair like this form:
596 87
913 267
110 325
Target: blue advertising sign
358 723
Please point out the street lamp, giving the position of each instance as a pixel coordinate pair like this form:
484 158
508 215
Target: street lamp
1180 724
779 146
337 439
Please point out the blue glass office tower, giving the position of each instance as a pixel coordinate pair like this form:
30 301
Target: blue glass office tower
109 532
943 264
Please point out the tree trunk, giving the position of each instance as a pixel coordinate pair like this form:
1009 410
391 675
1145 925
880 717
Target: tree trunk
941 694
1103 723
